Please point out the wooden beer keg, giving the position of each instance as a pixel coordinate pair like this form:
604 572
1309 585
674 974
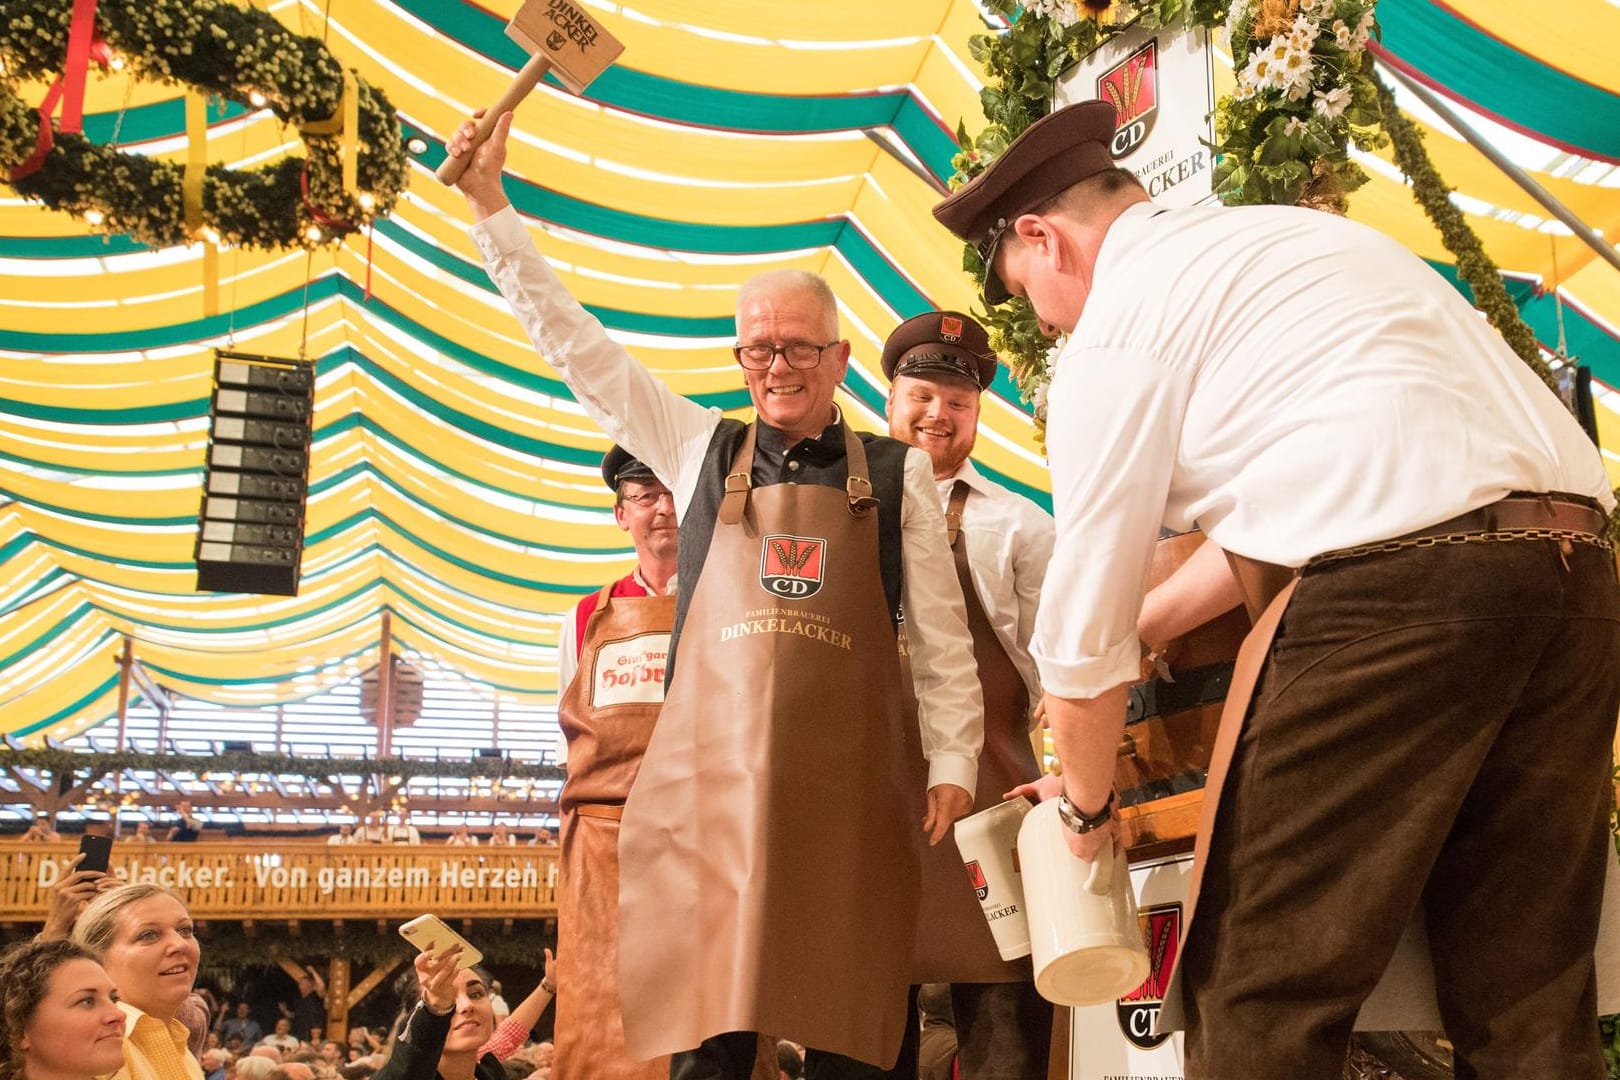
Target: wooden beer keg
1170 722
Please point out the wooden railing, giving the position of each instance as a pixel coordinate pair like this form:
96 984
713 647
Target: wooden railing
293 879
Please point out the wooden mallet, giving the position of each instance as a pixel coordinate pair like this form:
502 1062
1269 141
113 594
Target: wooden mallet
558 35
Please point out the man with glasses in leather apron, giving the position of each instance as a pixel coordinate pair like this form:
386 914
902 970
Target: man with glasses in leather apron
939 364
1439 674
618 638
769 881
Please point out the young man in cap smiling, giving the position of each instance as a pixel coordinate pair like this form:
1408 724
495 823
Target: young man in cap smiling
801 540
939 365
1435 717
611 674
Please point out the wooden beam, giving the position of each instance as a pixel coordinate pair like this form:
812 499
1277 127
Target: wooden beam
249 928
264 799
126 672
337 999
385 687
372 981
295 970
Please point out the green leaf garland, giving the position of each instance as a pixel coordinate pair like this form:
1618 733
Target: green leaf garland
239 53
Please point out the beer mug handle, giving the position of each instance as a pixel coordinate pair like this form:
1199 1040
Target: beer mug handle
1100 881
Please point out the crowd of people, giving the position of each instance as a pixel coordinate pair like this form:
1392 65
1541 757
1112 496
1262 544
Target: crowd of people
109 987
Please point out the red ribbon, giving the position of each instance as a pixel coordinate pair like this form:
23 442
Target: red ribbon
338 226
81 35
43 143
68 89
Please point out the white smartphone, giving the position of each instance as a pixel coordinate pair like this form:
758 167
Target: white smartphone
430 932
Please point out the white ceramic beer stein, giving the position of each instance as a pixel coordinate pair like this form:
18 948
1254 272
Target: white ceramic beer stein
1084 935
988 842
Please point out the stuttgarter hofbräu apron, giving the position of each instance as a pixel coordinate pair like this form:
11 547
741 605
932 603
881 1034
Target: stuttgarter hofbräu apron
607 715
775 884
954 943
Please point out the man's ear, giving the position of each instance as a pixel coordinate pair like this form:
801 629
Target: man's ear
888 404
618 514
1033 229
841 358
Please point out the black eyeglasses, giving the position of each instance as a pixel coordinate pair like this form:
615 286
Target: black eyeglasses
801 355
648 498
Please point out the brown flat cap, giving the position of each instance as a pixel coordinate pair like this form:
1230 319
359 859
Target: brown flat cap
940 343
617 465
1054 153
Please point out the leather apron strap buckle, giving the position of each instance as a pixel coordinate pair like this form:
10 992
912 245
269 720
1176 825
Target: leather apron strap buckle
953 511
859 491
735 501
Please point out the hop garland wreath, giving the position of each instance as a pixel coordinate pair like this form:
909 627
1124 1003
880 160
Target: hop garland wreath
239 53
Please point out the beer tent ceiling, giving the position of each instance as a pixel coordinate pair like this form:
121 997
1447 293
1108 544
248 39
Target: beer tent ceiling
454 479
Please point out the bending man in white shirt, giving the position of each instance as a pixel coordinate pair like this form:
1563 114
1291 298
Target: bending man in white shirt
1435 715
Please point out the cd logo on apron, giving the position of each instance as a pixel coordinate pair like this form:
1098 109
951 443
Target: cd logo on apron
1138 1011
790 566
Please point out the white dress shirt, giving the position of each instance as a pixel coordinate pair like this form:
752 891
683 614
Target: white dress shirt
671 435
1290 381
1009 542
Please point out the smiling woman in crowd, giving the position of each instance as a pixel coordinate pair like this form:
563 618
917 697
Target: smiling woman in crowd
143 936
450 1023
59 1015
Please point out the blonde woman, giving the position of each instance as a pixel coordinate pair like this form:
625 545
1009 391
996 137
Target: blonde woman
143 936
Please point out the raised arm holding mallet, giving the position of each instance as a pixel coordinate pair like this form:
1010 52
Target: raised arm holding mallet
559 36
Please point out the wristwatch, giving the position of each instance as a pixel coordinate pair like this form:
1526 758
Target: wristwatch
1078 822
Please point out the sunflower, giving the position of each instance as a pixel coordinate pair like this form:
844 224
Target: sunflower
1098 11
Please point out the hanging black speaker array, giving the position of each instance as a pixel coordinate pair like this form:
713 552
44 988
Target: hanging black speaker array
251 534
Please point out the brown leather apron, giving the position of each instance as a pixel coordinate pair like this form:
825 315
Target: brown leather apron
607 715
1250 662
775 886
954 943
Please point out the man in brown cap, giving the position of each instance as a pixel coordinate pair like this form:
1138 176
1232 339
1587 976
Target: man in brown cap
801 540
618 640
939 365
1435 717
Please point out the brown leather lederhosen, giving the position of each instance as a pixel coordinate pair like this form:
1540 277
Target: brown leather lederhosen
776 881
1267 590
607 715
954 943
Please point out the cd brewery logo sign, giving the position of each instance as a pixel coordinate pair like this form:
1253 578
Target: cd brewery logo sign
981 887
1132 87
1161 85
1138 1011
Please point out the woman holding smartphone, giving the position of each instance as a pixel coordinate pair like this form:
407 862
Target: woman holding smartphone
452 1021
143 936
59 1015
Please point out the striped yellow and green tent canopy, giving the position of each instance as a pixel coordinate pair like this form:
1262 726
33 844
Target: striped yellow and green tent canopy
453 480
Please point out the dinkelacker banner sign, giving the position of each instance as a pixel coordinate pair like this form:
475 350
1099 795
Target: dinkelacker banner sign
1161 83
267 870
300 877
